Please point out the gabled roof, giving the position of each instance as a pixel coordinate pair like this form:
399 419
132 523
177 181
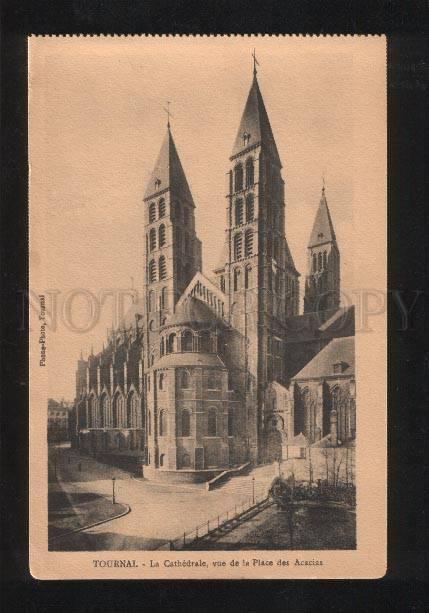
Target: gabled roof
168 172
255 123
191 311
338 350
323 228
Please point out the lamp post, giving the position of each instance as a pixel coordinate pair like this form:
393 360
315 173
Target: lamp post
113 490
253 490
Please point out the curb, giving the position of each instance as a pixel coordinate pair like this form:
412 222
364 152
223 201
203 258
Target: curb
97 523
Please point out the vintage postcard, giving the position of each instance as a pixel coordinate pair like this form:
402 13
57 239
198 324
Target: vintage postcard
207 301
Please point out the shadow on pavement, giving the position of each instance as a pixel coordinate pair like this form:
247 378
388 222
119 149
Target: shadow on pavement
104 541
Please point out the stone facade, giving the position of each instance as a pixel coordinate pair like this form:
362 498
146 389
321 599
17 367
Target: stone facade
206 374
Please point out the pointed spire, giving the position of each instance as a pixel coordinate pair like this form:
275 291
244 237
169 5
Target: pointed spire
92 350
168 172
323 228
255 63
167 110
255 126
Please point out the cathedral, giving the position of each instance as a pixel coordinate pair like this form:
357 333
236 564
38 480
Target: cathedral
215 372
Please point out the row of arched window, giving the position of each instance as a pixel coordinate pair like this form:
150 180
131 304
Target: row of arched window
239 210
320 261
161 234
153 210
162 300
238 283
157 272
117 414
185 422
238 244
187 340
239 175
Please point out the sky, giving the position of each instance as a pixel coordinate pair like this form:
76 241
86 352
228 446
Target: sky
97 121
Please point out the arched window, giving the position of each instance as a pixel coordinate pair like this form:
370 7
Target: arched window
163 299
248 243
222 283
161 235
117 411
161 208
319 261
238 212
212 422
238 246
152 239
132 409
249 172
151 359
161 346
325 260
161 459
185 380
91 412
230 422
314 262
185 216
163 423
205 341
186 423
187 341
237 273
151 325
238 177
149 423
161 380
248 277
214 380
104 411
151 301
250 208
152 271
162 266
171 343
152 212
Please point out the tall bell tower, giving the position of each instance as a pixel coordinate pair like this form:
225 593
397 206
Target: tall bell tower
172 248
257 272
322 284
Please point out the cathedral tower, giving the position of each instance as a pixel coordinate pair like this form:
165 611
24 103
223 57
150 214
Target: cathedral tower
322 285
172 249
257 272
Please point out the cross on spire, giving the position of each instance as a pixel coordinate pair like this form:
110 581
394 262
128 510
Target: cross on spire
323 184
255 62
167 110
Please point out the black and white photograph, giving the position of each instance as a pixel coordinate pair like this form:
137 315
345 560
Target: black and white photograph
207 303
